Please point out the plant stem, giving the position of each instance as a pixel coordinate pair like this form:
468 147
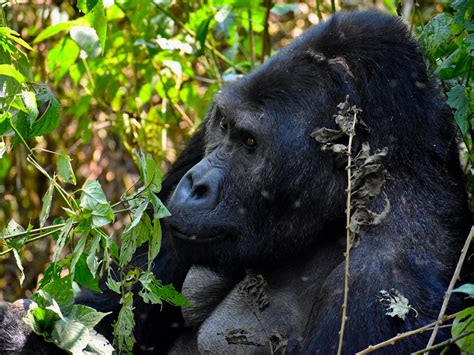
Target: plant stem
41 236
402 336
448 293
444 343
348 236
34 231
251 40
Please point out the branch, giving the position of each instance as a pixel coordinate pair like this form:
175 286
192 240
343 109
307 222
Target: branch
444 343
401 336
448 293
348 235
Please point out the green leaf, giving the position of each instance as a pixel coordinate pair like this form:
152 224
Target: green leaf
60 27
94 200
77 252
14 36
468 289
70 335
283 9
137 215
98 344
86 5
98 20
124 325
202 31
49 116
154 244
83 275
62 239
9 70
159 209
464 322
29 102
113 285
458 100
87 39
5 119
19 266
61 291
47 198
11 229
87 316
91 257
41 320
65 171
61 57
154 292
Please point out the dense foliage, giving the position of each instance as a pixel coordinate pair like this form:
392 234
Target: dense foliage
86 89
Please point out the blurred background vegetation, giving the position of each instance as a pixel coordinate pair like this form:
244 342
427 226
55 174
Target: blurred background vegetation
144 77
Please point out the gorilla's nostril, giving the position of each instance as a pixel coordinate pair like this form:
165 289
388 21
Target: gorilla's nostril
200 191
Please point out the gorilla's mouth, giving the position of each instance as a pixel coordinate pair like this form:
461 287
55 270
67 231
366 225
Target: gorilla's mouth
193 237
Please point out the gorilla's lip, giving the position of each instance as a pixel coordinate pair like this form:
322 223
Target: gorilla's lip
193 237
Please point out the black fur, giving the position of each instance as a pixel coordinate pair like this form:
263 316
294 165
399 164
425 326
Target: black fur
283 200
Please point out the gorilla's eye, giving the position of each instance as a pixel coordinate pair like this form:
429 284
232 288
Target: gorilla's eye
224 124
250 142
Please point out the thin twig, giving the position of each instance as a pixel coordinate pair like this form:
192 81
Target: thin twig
448 293
251 40
348 236
402 336
444 343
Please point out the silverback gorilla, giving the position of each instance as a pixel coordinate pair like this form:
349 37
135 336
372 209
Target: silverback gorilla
256 236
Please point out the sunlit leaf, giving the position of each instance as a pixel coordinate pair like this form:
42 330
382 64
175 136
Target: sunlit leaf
47 198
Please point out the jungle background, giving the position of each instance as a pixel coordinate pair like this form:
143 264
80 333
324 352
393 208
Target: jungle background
85 85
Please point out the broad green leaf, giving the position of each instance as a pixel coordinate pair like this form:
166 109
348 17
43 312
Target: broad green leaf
52 272
84 277
70 335
41 321
5 123
65 171
29 102
55 29
137 215
458 101
133 239
93 199
47 198
154 292
98 344
159 209
85 315
61 291
92 195
14 228
98 20
87 39
124 325
464 322
49 115
9 70
61 57
467 289
113 285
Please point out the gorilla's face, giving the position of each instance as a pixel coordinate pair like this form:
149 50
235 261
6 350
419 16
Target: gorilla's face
264 190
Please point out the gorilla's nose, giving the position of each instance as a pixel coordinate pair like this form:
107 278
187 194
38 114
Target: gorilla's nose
199 188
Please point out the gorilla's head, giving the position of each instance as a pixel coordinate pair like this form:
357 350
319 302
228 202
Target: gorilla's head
264 190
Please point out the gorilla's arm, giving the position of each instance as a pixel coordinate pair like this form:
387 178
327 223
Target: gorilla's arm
154 324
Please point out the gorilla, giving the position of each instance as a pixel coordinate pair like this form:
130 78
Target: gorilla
256 239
